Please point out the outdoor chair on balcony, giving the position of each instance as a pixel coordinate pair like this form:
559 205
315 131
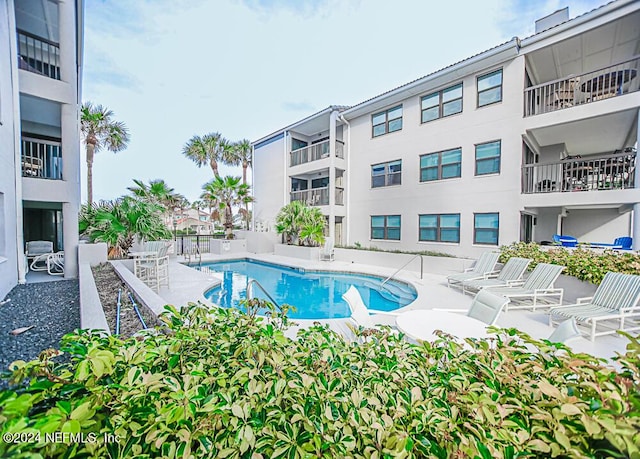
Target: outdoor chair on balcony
37 252
513 270
483 267
615 302
536 290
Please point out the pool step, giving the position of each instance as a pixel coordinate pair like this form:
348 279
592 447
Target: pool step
392 292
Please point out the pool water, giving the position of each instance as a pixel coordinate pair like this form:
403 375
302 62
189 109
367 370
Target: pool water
315 294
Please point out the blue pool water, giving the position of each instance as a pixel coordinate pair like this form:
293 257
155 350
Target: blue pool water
316 294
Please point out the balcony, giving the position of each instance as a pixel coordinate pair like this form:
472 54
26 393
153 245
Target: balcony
312 197
38 55
607 172
315 152
41 159
615 80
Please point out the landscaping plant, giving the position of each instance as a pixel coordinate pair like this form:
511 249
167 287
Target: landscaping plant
583 263
220 383
301 224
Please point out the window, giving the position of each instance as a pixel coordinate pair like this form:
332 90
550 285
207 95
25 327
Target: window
385 227
386 174
387 121
320 182
488 158
441 165
490 88
442 103
439 228
297 144
485 228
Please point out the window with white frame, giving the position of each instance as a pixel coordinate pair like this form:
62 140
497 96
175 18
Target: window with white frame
488 158
490 88
387 121
386 174
385 227
442 103
439 227
486 228
441 165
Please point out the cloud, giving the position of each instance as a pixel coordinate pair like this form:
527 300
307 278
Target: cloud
298 106
100 69
305 8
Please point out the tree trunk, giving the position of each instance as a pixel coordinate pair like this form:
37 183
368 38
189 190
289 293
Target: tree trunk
246 204
214 167
90 150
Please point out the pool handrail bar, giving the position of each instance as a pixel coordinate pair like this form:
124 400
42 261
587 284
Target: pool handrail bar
253 282
404 266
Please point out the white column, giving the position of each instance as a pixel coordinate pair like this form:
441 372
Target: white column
68 32
70 239
332 173
636 206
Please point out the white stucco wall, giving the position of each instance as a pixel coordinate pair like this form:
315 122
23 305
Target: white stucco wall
269 182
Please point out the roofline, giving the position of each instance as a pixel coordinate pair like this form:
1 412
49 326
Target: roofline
329 109
504 48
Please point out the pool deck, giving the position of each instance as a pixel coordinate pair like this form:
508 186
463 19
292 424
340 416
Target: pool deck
188 285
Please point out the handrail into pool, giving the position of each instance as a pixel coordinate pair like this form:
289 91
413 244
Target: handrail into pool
404 266
250 292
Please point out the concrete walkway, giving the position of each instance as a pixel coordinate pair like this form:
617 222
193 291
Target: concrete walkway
188 285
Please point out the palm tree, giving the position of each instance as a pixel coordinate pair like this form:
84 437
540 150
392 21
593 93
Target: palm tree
100 131
157 191
227 192
301 224
240 154
206 149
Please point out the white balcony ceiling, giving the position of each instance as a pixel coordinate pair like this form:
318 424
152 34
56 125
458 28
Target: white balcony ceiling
606 45
597 135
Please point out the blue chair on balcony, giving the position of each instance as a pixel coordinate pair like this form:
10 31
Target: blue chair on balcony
565 241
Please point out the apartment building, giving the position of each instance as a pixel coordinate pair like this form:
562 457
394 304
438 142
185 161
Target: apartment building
534 137
40 94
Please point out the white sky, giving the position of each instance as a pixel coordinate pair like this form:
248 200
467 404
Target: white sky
171 69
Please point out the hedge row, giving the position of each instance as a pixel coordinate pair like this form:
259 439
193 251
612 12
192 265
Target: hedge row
226 384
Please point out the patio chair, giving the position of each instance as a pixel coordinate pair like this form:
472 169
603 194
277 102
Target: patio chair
620 243
537 287
616 299
326 251
55 264
37 252
483 267
360 314
564 332
513 270
565 241
485 307
153 269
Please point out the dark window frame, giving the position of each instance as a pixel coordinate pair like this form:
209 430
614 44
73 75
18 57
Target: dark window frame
386 228
388 176
439 228
476 228
387 121
499 156
479 92
441 104
440 165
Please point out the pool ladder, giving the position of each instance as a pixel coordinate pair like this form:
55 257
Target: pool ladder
404 266
250 285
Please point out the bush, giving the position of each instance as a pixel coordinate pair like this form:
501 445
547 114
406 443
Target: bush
226 384
582 263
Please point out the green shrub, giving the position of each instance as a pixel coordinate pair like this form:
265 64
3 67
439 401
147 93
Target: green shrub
226 384
582 263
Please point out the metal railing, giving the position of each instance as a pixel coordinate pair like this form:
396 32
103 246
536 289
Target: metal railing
315 152
615 80
195 244
38 55
587 173
312 197
404 266
41 158
250 285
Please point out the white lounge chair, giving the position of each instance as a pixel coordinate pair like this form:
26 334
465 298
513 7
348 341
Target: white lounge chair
537 288
566 331
37 253
326 251
615 299
485 307
513 270
483 267
360 314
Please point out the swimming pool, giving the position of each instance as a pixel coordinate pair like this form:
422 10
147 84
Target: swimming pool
316 294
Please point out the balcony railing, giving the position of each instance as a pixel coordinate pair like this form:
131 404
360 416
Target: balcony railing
608 172
582 89
41 159
313 197
38 55
315 152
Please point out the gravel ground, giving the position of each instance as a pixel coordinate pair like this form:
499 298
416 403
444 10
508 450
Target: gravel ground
108 284
52 307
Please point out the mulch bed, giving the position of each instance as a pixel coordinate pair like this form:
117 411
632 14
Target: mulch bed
109 284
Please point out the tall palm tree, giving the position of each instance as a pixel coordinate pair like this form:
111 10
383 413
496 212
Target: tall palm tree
227 192
240 154
207 149
100 131
157 191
